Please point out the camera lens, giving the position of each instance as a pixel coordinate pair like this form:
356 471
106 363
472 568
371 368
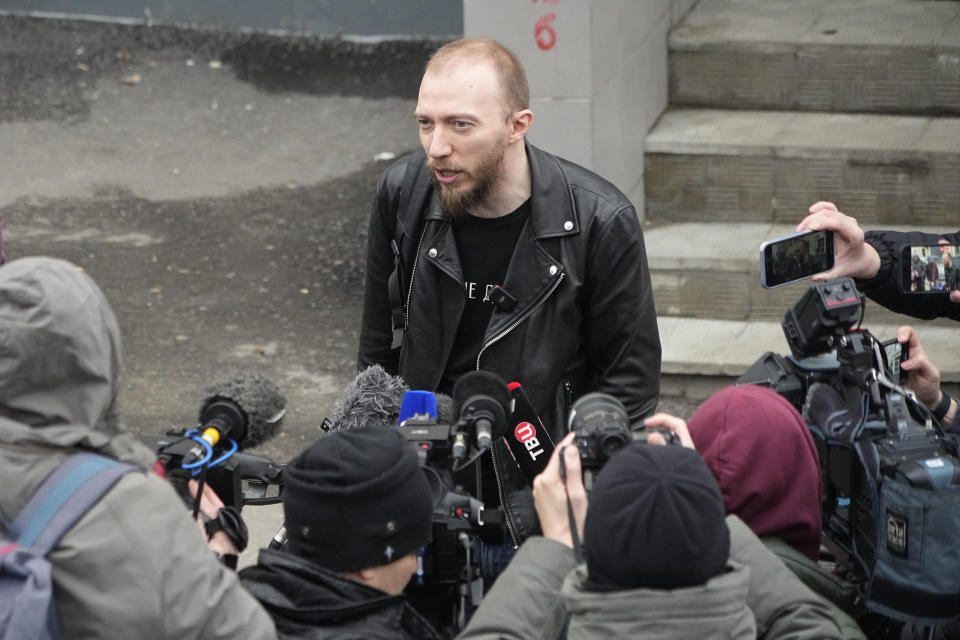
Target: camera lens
610 443
598 412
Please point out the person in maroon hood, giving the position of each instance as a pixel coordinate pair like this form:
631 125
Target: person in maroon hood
762 454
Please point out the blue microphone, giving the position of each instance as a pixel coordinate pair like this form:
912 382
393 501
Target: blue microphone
418 403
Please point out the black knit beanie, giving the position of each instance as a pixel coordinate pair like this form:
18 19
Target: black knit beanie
357 499
655 520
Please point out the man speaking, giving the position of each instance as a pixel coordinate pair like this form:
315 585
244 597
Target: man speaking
486 252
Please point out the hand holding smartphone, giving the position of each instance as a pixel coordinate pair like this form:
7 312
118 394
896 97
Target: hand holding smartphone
795 257
930 268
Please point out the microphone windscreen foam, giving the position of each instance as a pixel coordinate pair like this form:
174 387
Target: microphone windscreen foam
372 397
260 400
445 412
484 383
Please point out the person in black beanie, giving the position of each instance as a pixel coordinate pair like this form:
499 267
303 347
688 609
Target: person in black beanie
357 508
660 560
656 521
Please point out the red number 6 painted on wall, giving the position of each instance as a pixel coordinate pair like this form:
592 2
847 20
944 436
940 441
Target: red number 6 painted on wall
545 35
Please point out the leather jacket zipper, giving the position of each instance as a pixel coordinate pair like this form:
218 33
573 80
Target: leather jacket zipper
413 274
496 465
506 509
516 323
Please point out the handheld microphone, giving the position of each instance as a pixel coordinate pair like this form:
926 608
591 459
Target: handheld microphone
245 407
482 400
529 441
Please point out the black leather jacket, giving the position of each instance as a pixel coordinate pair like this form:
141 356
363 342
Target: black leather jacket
583 320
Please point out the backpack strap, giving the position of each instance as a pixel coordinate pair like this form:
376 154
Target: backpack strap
64 497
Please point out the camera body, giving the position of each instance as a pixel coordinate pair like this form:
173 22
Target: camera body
891 479
602 428
239 480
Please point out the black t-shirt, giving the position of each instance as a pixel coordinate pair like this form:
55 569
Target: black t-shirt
485 246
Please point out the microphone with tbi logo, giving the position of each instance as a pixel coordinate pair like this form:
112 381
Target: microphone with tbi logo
529 441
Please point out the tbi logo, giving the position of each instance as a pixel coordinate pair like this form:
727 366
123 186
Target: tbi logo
526 434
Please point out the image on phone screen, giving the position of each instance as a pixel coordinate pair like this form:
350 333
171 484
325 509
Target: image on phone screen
931 268
795 257
894 354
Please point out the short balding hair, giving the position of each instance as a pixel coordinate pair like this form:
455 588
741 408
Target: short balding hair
509 69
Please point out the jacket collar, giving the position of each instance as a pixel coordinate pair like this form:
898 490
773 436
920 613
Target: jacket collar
725 594
551 200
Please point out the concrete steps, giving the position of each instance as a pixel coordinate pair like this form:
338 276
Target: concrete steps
711 271
890 56
774 105
701 356
769 166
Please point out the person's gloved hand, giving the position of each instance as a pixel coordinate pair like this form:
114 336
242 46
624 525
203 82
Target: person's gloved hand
210 508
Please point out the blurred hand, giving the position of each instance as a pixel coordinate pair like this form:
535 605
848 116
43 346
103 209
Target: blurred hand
673 423
852 256
954 295
210 506
922 377
550 493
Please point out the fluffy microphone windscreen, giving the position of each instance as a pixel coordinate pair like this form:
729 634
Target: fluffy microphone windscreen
260 400
373 397
481 383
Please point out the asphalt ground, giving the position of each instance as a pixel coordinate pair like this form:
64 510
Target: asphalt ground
217 186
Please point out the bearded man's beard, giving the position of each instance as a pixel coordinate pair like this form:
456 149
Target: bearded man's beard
456 203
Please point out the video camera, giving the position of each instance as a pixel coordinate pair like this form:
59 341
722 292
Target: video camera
891 479
238 480
238 411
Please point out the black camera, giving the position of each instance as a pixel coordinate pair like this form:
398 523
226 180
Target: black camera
238 480
602 428
891 478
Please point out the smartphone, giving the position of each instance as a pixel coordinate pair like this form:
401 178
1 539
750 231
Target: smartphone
795 257
930 268
894 353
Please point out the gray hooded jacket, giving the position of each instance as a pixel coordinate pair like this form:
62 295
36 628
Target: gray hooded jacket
135 566
757 598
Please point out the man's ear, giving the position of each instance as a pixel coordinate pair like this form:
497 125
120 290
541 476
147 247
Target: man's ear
367 576
520 122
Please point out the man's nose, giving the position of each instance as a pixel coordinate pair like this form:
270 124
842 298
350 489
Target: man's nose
439 147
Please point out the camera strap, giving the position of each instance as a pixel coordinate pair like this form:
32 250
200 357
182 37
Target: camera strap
575 537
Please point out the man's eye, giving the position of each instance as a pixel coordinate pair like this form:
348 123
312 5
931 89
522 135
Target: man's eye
423 122
461 124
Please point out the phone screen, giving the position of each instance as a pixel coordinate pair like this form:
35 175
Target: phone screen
931 268
894 353
795 257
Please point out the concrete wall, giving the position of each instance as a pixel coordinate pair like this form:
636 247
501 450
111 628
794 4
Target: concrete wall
597 72
364 18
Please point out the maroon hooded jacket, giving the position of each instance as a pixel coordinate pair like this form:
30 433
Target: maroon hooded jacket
763 457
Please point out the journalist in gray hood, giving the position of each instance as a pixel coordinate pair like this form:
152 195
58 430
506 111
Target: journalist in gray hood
135 566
